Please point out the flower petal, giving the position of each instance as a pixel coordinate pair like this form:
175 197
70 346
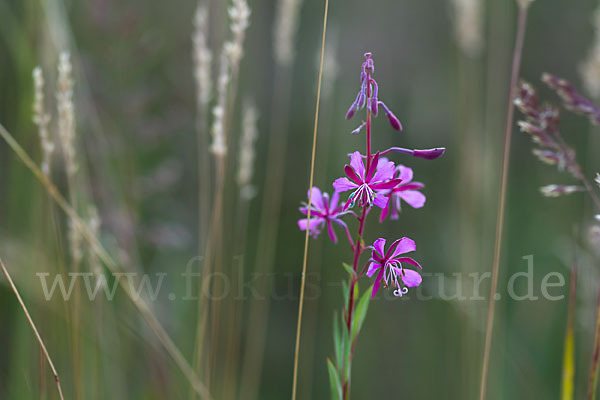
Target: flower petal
357 165
344 184
377 283
405 173
410 261
331 232
411 278
385 210
414 198
333 203
384 172
316 199
401 246
313 226
379 246
380 200
373 166
372 268
410 186
392 183
352 175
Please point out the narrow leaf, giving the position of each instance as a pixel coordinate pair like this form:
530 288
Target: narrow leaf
346 292
337 340
568 371
349 269
334 381
361 312
347 348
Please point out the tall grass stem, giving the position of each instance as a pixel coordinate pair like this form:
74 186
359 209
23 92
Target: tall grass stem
310 184
33 327
516 65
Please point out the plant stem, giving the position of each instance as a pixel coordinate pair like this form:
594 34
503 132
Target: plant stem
33 327
358 247
312 172
516 64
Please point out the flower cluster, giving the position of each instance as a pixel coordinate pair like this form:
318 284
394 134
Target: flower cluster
542 124
372 180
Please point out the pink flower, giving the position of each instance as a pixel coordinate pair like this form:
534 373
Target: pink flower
390 266
323 213
407 191
364 182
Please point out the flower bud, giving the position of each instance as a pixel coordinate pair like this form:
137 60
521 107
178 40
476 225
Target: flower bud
429 154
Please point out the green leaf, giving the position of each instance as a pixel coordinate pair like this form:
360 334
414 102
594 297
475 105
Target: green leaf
346 292
337 340
347 347
334 381
361 312
349 269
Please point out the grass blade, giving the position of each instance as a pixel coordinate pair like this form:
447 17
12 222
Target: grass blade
593 378
312 172
33 327
568 372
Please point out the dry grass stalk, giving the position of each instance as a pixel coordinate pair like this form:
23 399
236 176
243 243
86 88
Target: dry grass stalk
33 328
514 77
310 185
110 263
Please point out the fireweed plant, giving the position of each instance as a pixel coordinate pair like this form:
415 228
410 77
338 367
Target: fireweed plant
372 180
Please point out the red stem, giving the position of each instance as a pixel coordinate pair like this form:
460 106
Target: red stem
358 247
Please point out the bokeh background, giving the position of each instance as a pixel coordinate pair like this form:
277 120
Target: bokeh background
442 68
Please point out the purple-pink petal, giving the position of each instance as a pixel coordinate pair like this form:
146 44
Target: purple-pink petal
352 175
392 183
410 186
409 261
372 167
313 225
384 172
405 173
344 184
331 232
386 209
316 199
414 198
335 199
380 200
401 246
379 246
377 283
411 278
357 165
372 268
